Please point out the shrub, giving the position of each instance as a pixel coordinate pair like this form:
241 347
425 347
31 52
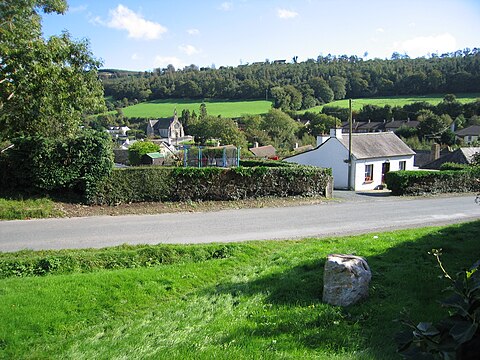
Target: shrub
433 182
458 335
140 148
210 183
41 164
453 166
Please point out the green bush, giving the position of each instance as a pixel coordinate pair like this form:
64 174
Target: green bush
210 183
453 166
140 148
39 164
433 182
267 163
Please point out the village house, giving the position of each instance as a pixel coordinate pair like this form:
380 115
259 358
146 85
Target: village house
265 152
469 135
463 155
373 155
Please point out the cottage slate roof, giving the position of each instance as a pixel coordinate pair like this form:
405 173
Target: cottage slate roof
473 130
396 124
264 151
376 145
460 156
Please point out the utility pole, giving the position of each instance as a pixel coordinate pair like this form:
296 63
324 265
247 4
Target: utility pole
350 130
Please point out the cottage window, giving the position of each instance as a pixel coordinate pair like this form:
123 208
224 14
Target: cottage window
402 165
369 173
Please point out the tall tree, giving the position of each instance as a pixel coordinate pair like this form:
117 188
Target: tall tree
46 86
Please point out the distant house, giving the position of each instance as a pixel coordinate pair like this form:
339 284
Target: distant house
265 152
118 131
394 125
373 155
170 129
469 135
462 155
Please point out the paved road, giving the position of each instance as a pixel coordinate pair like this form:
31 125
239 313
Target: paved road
350 215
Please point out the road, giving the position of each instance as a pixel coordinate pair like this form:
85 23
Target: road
352 215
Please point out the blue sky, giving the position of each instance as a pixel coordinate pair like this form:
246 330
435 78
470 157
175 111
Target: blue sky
146 34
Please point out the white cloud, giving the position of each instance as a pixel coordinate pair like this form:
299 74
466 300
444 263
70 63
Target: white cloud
135 56
193 32
226 6
286 14
123 18
380 30
188 49
424 45
164 61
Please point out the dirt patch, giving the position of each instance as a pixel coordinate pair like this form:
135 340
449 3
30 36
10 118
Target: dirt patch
144 208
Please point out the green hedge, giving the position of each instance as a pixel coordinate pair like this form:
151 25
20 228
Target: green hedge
211 183
433 182
39 263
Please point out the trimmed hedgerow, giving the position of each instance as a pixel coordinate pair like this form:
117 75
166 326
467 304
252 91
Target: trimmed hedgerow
433 182
453 166
211 183
266 163
39 263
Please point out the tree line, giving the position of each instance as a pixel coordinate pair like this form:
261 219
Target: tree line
301 85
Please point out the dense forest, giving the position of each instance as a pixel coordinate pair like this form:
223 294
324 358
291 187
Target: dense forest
301 85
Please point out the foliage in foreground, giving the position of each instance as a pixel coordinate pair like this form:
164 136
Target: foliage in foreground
40 164
260 301
458 335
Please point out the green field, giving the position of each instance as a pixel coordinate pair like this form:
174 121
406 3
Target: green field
228 109
235 109
433 99
255 300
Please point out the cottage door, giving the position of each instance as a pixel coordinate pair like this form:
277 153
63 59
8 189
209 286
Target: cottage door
385 169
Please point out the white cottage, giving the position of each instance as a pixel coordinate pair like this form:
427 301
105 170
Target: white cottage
373 155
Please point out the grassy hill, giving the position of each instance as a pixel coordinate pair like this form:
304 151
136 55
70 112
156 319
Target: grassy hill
234 109
433 99
165 108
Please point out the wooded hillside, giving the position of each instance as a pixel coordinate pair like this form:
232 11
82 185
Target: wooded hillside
294 86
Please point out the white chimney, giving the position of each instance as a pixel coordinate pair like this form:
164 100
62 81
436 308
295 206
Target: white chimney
336 133
296 145
322 138
255 144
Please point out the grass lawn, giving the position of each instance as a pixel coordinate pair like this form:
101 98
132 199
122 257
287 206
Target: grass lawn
262 300
357 104
165 108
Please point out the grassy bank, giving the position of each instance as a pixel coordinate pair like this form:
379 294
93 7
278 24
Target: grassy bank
433 99
258 300
19 209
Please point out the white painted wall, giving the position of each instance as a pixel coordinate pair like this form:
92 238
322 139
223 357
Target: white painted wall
330 155
359 170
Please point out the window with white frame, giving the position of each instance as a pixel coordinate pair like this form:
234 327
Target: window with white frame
369 173
402 165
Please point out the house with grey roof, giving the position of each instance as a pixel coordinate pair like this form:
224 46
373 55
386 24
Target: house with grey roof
462 155
267 151
469 135
373 155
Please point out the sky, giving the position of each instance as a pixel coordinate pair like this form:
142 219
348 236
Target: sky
142 35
